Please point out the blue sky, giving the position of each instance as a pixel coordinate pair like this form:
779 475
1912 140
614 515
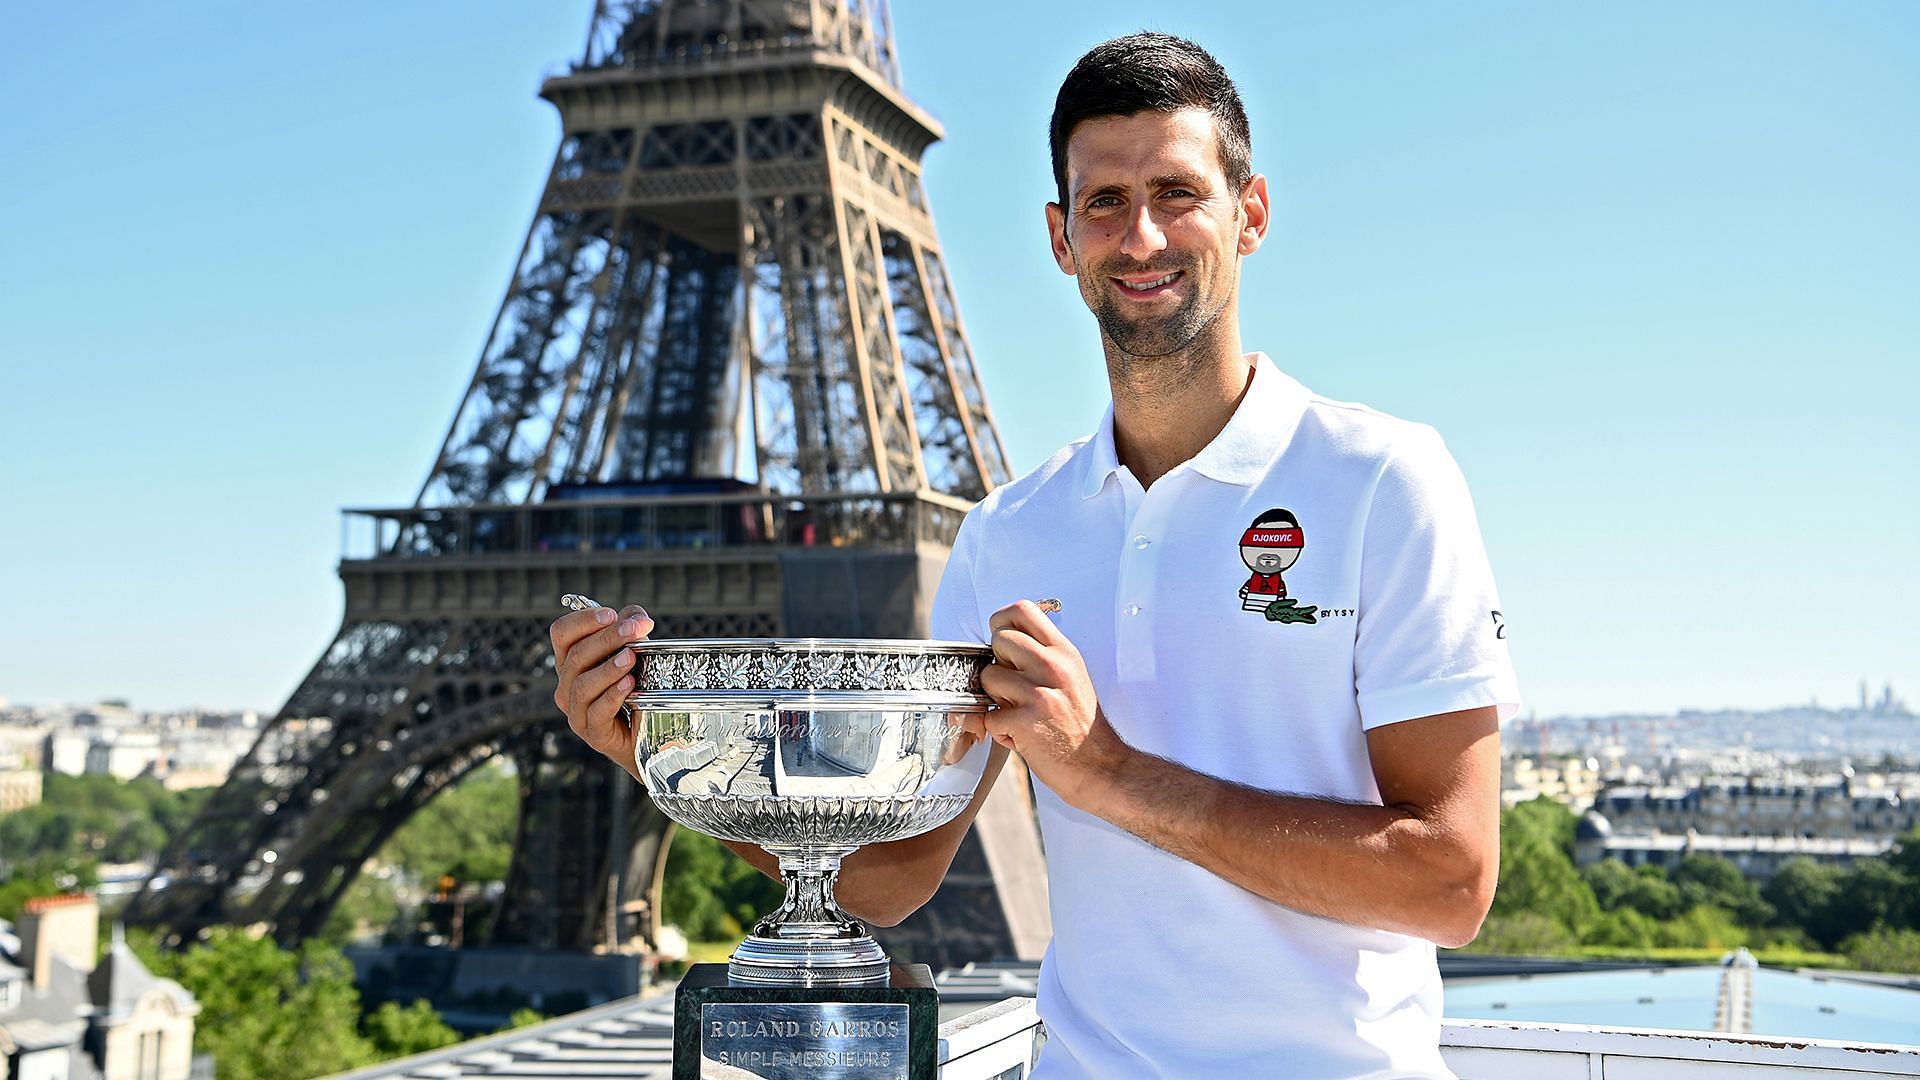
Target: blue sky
1649 267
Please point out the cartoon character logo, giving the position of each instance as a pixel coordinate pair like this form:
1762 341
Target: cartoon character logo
1270 547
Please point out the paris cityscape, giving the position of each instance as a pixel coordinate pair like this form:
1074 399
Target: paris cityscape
762 346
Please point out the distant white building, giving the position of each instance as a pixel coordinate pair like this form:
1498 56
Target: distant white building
65 752
125 754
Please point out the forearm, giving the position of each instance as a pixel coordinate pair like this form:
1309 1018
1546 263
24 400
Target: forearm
1385 867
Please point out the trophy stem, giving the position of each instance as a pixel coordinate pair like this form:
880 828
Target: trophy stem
809 941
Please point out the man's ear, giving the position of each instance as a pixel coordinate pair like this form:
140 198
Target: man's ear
1057 235
1256 213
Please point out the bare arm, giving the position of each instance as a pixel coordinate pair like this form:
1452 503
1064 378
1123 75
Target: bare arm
1423 864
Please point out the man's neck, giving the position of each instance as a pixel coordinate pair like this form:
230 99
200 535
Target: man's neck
1166 409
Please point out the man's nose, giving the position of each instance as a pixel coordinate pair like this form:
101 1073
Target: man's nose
1144 238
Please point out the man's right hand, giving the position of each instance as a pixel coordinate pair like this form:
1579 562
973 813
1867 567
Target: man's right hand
591 657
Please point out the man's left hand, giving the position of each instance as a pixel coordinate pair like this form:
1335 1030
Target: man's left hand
1048 712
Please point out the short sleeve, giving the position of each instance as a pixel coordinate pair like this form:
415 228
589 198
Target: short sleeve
1431 637
956 604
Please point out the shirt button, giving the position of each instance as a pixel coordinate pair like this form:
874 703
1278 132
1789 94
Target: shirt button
1132 609
1140 543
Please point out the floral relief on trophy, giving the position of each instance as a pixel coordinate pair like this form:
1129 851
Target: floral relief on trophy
744 669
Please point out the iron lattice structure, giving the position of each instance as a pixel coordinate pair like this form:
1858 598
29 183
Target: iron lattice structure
728 380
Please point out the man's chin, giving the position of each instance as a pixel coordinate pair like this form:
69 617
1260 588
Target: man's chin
1148 341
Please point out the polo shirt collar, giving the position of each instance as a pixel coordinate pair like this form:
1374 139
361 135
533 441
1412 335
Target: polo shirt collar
1259 429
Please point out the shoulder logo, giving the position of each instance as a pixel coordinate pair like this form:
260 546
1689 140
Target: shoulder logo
1270 547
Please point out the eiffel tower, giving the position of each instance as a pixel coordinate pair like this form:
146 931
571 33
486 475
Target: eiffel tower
729 381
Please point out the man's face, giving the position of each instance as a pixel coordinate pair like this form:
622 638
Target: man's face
1151 230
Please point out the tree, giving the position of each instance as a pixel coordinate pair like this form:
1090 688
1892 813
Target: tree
1905 856
710 893
465 832
42 875
98 817
1871 895
1625 928
1523 933
1801 890
1553 821
1704 926
370 907
1536 870
399 1030
267 1013
1885 950
1713 880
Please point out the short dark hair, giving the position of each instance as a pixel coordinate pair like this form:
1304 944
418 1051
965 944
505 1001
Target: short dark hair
1152 72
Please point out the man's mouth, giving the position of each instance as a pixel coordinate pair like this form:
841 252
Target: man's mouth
1148 286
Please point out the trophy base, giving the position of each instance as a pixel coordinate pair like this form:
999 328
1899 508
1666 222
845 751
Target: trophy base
769 961
726 1031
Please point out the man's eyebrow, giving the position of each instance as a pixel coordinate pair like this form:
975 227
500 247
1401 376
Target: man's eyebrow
1188 180
1192 180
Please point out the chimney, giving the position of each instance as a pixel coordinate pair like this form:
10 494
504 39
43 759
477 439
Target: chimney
63 926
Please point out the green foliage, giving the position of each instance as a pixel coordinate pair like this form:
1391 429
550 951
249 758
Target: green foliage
43 875
710 893
397 1031
467 831
1905 856
1801 890
267 1013
1713 881
1885 949
524 1017
370 907
1523 933
1872 894
1645 889
97 818
1625 928
1543 816
1536 867
1702 925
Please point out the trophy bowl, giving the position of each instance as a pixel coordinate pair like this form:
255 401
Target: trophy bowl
809 748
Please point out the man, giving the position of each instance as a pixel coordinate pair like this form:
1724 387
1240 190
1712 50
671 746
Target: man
1257 828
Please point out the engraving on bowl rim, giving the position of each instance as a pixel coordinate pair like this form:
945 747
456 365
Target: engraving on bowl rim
808 664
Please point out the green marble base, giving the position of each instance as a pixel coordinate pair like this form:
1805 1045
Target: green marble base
724 1032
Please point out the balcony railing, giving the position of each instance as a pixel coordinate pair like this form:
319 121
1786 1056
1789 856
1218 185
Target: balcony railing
655 523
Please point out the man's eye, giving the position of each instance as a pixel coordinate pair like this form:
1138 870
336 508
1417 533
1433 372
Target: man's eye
1179 193
1101 202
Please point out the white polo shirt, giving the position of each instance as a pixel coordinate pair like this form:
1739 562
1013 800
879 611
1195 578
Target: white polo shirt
1158 968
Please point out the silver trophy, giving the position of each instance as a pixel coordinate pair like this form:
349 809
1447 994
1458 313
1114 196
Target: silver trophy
809 748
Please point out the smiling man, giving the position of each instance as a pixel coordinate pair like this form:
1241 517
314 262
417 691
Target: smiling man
1264 801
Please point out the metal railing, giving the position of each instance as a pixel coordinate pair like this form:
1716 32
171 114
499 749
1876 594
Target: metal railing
656 523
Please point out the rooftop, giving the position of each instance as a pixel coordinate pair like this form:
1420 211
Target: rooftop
1502 1028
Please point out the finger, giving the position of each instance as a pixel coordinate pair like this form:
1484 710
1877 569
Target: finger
590 684
1008 688
568 629
1005 726
602 723
1026 615
597 647
1018 650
